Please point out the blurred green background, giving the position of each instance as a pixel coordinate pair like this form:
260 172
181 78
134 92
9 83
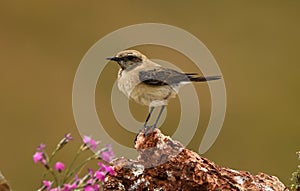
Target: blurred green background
256 44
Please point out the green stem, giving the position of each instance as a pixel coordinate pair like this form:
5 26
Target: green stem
53 153
77 168
66 174
54 176
48 160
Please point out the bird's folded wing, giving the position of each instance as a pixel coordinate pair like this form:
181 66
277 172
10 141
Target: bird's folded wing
162 76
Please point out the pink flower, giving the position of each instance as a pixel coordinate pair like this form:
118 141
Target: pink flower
47 184
55 189
90 142
90 182
68 137
93 144
86 139
39 157
90 172
94 187
69 187
41 147
76 179
59 166
110 170
108 154
100 175
106 169
64 141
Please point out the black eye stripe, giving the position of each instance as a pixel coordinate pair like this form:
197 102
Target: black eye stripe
130 57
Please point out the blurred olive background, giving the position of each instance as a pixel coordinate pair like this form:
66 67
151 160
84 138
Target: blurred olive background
256 44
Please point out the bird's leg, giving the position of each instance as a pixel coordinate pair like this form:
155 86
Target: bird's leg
159 115
148 117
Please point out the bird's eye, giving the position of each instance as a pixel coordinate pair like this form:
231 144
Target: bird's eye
131 57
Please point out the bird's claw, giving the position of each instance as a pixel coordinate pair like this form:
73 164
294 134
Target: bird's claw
149 129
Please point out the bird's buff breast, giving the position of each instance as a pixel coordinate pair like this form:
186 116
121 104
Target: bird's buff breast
142 93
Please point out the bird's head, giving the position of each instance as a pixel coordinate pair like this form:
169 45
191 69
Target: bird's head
128 59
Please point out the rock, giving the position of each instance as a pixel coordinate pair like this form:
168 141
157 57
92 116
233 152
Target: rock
164 165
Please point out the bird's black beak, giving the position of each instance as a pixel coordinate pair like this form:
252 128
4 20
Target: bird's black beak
116 59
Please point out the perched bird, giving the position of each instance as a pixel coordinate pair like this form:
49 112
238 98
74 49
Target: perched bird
149 83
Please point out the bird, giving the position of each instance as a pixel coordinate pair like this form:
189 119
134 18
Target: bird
150 84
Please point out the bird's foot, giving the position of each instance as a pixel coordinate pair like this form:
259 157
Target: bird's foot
149 129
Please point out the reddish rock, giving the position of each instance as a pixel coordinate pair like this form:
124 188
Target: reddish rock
165 165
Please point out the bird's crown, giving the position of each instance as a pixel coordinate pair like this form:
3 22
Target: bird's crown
130 55
128 59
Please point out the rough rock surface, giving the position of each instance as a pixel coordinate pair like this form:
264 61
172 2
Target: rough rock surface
164 165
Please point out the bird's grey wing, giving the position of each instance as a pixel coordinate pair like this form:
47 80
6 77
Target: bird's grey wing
162 76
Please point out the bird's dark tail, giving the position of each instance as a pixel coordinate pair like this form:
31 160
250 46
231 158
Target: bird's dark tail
194 78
